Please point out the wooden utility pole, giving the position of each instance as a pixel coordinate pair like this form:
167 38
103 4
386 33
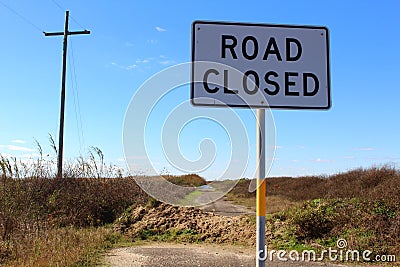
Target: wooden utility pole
64 70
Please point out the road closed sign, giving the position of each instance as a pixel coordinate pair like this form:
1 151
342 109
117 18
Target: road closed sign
260 66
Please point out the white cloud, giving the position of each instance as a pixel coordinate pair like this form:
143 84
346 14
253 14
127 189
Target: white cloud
167 62
145 63
139 61
365 148
323 160
159 29
130 67
19 148
117 65
18 141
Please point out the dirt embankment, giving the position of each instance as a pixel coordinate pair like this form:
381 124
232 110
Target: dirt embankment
186 224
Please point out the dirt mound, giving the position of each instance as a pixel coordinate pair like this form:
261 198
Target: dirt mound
166 222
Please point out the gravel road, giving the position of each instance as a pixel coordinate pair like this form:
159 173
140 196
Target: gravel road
188 255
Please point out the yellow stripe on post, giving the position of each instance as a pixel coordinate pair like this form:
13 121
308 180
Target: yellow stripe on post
261 195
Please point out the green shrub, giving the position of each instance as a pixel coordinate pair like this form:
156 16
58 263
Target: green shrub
314 219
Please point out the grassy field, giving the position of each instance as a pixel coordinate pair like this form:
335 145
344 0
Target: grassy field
46 221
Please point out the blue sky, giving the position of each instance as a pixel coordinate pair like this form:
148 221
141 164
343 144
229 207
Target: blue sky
133 40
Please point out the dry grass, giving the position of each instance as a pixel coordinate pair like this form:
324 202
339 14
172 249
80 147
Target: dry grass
274 203
278 203
61 247
47 221
373 183
34 212
186 180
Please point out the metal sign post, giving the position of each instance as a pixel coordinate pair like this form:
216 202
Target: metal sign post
261 196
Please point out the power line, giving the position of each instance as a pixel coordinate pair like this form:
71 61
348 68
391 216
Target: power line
21 17
63 10
58 5
74 83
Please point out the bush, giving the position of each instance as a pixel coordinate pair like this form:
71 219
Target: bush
314 219
190 180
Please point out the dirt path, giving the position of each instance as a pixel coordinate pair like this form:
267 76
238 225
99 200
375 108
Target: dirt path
220 206
226 208
188 255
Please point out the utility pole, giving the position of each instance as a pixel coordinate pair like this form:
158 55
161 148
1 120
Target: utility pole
63 74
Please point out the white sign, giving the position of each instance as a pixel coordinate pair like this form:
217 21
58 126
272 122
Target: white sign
260 66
